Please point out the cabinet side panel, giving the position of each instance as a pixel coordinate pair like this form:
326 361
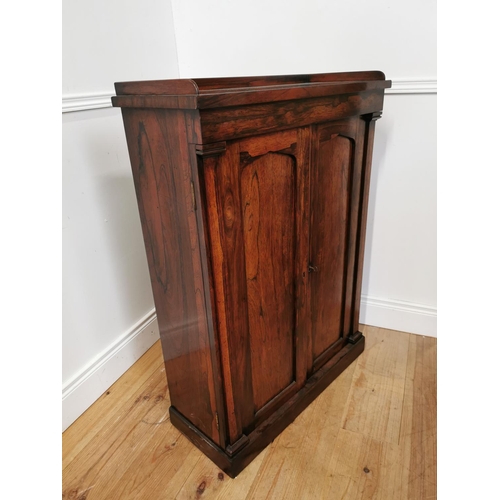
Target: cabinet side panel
160 159
330 204
268 204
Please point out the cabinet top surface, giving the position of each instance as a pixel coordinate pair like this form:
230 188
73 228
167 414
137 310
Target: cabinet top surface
199 93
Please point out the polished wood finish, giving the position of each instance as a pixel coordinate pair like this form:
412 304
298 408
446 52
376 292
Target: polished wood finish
252 194
329 225
268 186
370 434
167 210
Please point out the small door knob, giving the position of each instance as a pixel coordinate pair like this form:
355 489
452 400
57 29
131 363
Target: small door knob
312 269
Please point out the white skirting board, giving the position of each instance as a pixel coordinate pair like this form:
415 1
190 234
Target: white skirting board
398 315
91 382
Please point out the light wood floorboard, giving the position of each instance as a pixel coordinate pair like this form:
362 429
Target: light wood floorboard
370 435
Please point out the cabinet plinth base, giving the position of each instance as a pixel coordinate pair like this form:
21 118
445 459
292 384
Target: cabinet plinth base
268 430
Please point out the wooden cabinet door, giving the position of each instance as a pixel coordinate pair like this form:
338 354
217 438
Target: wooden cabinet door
335 189
257 206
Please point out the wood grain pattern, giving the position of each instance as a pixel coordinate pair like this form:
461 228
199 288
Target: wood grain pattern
109 407
103 450
279 93
208 290
200 85
207 84
303 342
417 437
204 93
378 388
215 244
364 468
227 214
223 92
162 177
244 186
223 124
268 199
357 132
314 452
125 448
329 226
157 87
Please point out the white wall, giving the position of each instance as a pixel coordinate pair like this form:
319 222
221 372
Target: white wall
108 311
116 40
229 38
399 279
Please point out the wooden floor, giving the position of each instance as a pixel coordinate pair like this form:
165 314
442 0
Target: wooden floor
370 435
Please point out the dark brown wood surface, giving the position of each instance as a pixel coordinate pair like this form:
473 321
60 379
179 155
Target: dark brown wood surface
223 124
161 167
268 200
206 84
260 201
229 217
252 193
197 85
330 185
224 92
356 131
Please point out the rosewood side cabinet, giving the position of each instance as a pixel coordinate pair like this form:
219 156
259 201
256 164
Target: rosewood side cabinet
253 196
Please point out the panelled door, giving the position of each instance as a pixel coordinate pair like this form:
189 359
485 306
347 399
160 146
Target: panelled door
257 205
281 212
335 191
